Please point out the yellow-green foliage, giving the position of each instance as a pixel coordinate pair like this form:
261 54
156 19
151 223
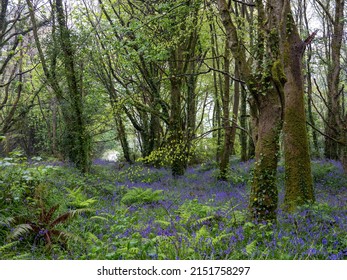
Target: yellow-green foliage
167 155
78 199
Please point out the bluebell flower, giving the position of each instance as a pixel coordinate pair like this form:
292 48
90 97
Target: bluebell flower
311 251
333 257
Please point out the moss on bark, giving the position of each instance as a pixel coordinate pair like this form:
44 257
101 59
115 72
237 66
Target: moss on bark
264 192
299 183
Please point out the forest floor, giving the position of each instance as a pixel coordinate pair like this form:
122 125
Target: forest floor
140 212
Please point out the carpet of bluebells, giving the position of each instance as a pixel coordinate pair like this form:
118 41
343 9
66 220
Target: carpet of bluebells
140 212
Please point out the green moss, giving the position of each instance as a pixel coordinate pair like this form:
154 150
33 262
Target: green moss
299 182
264 193
277 73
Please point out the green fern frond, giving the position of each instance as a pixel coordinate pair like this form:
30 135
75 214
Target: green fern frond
202 233
206 219
20 230
8 246
251 247
64 217
70 237
6 221
220 238
163 223
98 218
79 199
24 256
141 196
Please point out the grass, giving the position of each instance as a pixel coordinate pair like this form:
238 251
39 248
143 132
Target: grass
143 213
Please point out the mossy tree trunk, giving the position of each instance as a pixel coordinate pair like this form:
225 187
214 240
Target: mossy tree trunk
264 193
298 183
266 88
78 140
267 113
182 83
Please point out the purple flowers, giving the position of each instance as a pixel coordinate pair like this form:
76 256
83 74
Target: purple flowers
199 217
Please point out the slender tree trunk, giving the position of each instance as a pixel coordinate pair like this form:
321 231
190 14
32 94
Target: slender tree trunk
224 163
236 105
176 140
54 126
311 119
243 123
217 82
77 139
334 126
8 121
122 136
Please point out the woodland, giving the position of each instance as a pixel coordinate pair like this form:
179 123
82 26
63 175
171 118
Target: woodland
161 129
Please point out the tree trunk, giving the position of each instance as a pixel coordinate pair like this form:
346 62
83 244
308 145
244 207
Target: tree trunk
79 142
266 88
54 135
299 183
177 145
235 109
122 136
264 193
243 123
335 127
311 119
218 86
224 162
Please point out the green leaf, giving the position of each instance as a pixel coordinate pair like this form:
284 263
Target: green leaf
19 230
251 247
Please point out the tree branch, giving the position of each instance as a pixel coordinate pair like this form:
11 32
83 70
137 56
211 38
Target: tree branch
244 3
326 135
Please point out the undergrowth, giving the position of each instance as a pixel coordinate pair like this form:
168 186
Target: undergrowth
139 212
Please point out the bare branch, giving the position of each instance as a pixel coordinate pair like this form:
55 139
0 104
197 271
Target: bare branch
326 11
244 3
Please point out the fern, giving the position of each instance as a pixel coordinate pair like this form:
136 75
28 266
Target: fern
202 233
141 196
44 226
8 246
208 219
251 247
79 199
20 230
